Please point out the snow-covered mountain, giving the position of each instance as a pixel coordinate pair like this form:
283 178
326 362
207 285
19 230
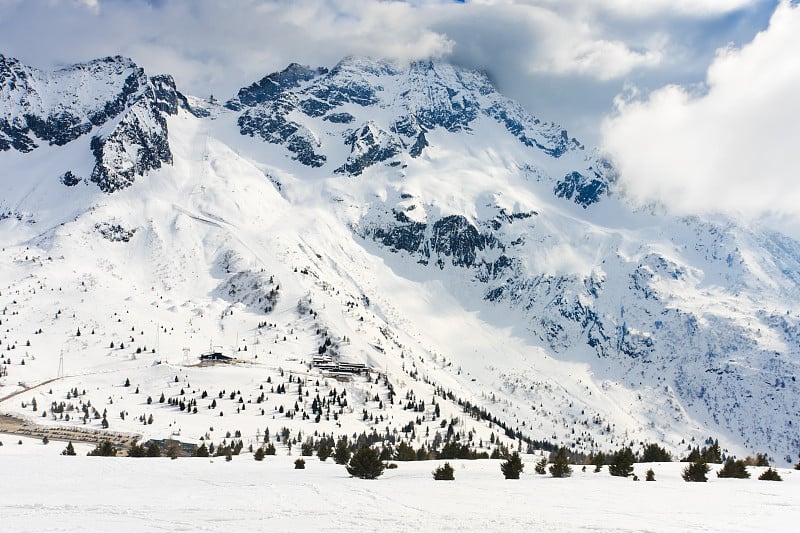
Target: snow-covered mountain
407 217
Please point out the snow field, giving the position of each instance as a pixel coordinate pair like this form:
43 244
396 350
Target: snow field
143 495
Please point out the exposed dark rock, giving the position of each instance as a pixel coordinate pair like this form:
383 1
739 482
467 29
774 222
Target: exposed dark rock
583 190
269 87
368 145
69 179
114 232
270 122
339 118
455 237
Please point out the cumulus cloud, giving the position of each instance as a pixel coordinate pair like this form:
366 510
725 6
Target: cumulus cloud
682 8
541 40
564 60
729 145
259 34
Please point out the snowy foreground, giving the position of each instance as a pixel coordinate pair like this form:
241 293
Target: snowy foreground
45 492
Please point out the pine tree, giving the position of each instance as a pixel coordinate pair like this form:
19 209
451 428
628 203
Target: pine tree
365 464
541 466
103 449
650 475
560 466
299 464
621 463
761 459
512 467
405 452
770 475
444 473
259 455
136 451
598 461
307 448
734 469
202 451
342 453
653 453
69 450
324 450
270 449
696 471
154 451
713 454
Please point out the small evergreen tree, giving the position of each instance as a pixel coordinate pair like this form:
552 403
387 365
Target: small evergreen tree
560 466
136 451
69 450
365 464
598 461
299 464
734 469
621 463
324 450
405 452
770 475
202 451
653 453
512 467
103 449
696 472
307 448
259 455
444 473
541 466
650 475
713 454
270 450
342 453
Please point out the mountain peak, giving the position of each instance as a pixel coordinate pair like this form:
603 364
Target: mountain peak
409 218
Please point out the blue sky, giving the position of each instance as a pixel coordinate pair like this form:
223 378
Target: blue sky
586 64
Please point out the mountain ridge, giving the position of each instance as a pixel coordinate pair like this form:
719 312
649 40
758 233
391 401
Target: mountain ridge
370 177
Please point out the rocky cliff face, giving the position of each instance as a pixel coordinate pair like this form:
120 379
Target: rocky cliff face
381 111
110 99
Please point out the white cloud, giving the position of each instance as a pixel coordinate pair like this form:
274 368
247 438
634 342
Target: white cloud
258 35
563 59
730 146
649 8
637 8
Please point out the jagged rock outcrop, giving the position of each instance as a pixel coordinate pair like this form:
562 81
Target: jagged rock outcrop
111 98
309 111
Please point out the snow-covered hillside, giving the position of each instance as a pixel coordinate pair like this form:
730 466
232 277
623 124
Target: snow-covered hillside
409 218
